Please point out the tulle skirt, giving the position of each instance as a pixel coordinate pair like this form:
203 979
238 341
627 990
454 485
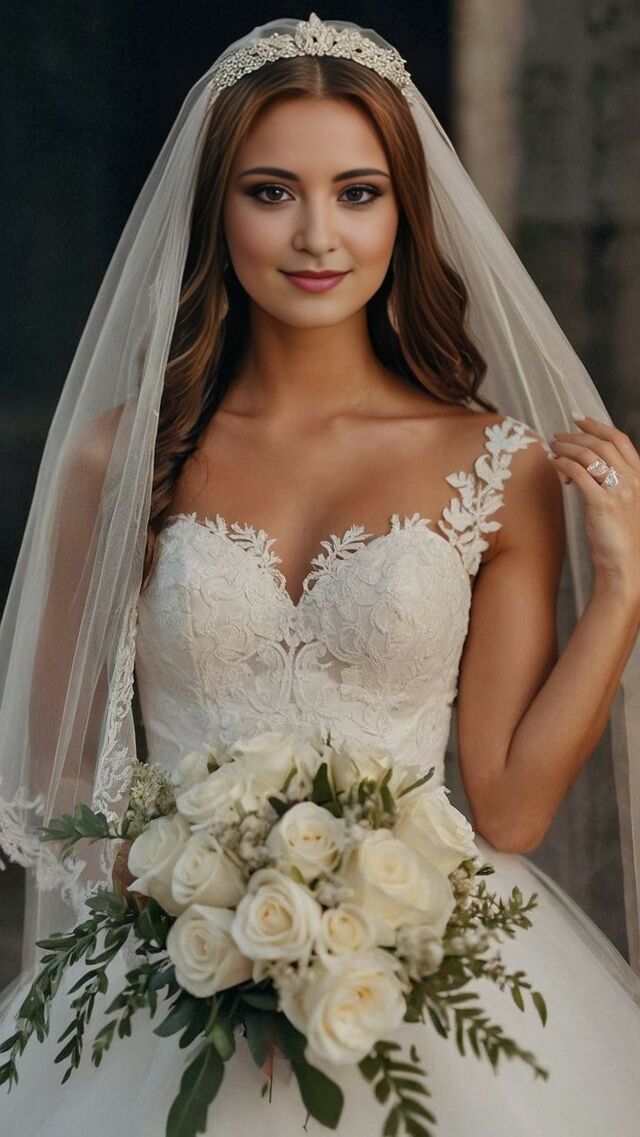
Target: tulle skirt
590 1044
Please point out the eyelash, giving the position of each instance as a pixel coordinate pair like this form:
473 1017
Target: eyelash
273 185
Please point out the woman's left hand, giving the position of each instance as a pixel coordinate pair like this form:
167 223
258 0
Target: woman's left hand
613 514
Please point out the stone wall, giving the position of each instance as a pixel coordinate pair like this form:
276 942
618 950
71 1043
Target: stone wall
546 108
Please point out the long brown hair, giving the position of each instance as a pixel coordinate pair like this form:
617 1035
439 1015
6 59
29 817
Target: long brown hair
431 348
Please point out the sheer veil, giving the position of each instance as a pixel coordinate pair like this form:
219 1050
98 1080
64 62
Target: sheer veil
67 638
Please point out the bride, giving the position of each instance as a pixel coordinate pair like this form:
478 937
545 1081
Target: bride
267 499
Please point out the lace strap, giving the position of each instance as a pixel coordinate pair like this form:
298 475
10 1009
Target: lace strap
467 516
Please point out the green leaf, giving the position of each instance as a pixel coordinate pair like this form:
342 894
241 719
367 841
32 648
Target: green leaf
540 1005
408 1104
382 1089
110 903
392 1122
516 995
291 1040
414 1128
57 943
8 1071
370 1066
162 978
259 1026
387 798
322 1097
222 1037
151 923
438 1024
404 1067
264 1000
86 978
321 791
280 806
9 1043
410 1087
196 1026
198 1087
419 782
180 1015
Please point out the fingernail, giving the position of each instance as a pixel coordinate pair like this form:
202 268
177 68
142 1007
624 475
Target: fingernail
577 417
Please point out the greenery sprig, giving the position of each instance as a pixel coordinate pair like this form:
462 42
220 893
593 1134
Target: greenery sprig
398 1079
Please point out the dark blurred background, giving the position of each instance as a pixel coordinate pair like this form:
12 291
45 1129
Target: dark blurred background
542 101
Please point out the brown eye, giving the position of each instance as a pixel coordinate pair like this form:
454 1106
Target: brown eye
363 189
257 190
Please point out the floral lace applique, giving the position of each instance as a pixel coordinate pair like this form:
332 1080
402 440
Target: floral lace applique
467 517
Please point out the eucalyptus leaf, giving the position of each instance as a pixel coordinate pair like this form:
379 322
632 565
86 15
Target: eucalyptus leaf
516 995
322 1097
540 1006
180 1015
196 1025
259 1026
222 1037
198 1087
264 1000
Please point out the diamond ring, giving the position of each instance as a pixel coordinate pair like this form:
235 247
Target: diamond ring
598 467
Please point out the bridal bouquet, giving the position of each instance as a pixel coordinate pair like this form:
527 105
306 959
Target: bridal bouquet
314 896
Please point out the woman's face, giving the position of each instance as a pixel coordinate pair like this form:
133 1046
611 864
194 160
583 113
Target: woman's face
304 213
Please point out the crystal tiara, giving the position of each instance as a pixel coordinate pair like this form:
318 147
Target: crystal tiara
313 37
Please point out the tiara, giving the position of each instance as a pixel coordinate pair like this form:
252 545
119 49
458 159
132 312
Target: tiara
313 37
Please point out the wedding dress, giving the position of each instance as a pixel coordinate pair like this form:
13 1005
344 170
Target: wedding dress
372 647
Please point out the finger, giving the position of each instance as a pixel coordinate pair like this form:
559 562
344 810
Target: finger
585 456
609 433
591 489
598 448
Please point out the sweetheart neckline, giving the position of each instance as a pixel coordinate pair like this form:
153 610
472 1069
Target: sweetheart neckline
354 533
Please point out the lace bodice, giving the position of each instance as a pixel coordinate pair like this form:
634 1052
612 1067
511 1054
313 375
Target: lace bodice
371 648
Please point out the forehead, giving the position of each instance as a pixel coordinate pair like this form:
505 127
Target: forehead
296 133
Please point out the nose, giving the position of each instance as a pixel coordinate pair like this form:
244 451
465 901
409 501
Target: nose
315 233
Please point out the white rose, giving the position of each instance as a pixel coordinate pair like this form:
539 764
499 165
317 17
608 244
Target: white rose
308 837
153 855
392 881
204 874
270 756
344 930
436 829
204 953
218 797
191 769
346 1009
353 761
276 919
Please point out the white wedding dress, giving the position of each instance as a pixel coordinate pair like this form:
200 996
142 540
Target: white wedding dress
373 648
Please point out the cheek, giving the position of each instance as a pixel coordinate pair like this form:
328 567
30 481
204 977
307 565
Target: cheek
372 239
252 237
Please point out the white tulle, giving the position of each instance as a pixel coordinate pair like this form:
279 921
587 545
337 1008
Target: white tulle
590 1044
372 646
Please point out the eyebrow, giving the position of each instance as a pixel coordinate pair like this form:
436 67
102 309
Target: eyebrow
276 172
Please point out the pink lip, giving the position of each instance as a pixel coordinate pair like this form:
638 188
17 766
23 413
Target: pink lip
316 282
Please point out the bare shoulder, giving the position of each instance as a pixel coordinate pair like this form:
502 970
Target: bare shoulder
91 445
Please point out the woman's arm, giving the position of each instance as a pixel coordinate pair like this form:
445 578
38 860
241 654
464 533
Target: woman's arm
528 719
